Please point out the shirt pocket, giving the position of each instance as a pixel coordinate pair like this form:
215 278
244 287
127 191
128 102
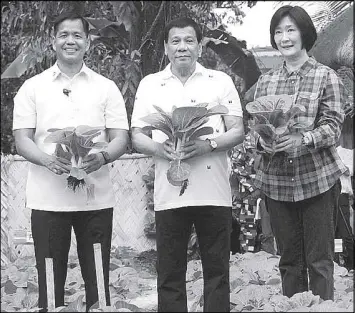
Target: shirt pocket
310 103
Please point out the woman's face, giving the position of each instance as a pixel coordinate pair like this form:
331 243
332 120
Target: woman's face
288 39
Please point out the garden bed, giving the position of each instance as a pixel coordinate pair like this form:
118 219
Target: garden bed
254 280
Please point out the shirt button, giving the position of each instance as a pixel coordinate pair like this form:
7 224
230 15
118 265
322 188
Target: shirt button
292 82
292 179
290 161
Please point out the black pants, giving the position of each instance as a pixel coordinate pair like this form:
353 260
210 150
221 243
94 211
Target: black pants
343 231
51 233
304 232
213 226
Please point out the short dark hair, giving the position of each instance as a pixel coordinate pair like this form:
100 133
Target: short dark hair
70 16
301 19
181 23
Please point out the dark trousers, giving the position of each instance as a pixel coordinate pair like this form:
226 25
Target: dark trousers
343 230
304 233
213 226
51 232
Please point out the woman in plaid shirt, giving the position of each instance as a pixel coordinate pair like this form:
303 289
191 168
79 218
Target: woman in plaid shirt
302 180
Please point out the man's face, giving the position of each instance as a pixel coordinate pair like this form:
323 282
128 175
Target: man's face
182 47
70 42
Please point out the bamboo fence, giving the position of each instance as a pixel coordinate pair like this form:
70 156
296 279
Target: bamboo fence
129 210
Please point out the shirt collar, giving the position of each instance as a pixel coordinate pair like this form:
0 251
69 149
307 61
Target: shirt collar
303 70
168 74
56 71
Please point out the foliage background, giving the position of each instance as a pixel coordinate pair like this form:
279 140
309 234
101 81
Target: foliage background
127 42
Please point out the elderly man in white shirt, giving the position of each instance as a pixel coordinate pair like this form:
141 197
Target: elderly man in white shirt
207 201
69 94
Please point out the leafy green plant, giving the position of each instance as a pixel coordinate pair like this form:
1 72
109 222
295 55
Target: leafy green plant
181 125
275 116
77 144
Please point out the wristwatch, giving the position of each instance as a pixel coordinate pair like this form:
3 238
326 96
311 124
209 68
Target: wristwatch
212 143
306 140
106 156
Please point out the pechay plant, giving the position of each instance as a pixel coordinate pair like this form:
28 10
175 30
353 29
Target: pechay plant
74 144
182 125
275 116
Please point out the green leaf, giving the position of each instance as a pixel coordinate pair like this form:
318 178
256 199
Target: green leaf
105 28
18 67
124 305
182 117
60 153
270 103
99 145
203 131
166 116
62 136
195 123
85 130
162 127
266 131
217 109
158 121
77 306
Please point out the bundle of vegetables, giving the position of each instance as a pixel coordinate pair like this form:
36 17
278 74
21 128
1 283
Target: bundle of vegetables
181 125
74 144
275 116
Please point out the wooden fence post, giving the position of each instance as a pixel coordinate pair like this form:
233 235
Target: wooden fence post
50 285
99 275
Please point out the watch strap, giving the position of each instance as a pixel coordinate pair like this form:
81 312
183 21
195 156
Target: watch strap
307 140
106 156
211 145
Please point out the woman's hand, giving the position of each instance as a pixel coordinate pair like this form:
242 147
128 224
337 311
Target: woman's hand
288 142
267 147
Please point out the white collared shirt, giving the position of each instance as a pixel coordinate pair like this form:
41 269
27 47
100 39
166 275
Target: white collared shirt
42 104
209 178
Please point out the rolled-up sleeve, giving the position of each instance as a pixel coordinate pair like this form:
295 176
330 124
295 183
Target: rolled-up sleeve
330 113
115 110
24 114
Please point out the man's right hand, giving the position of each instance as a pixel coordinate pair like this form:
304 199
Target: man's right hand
165 150
57 165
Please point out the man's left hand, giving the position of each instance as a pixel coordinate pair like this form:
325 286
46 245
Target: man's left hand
92 162
288 142
195 148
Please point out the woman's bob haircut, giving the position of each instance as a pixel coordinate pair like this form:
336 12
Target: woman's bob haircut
301 19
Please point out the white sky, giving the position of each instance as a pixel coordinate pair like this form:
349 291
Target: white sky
255 27
256 23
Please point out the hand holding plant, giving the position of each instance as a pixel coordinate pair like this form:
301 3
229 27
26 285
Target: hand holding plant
182 125
74 145
276 117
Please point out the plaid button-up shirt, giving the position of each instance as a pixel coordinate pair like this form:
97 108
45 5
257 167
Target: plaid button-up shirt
307 171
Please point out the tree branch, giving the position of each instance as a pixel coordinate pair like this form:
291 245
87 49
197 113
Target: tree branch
149 33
